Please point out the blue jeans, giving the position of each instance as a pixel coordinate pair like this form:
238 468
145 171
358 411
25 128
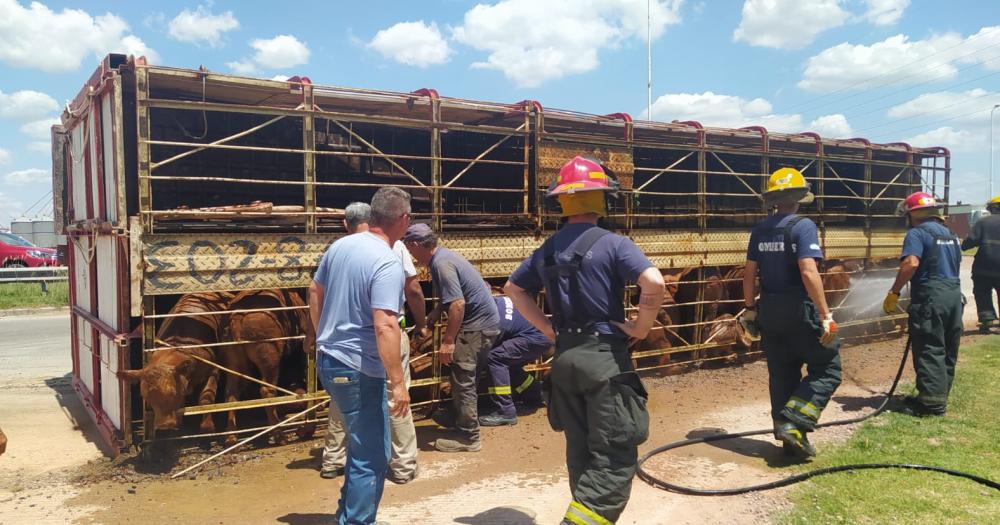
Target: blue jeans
364 404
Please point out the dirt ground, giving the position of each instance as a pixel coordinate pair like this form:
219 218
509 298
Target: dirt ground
53 472
518 478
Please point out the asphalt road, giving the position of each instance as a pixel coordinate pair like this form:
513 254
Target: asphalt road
34 347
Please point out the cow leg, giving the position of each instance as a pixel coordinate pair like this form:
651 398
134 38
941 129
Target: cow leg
234 385
207 397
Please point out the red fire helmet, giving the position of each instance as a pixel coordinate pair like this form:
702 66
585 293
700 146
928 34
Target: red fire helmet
580 174
918 201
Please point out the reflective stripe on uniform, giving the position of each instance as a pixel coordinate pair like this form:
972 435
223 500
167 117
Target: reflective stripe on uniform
500 390
580 515
525 384
803 407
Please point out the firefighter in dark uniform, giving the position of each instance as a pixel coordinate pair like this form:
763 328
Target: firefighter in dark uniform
985 235
930 262
519 343
796 326
595 396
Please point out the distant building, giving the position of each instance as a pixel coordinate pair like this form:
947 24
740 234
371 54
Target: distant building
962 216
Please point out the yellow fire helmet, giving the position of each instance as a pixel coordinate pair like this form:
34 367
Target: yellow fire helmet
995 201
787 185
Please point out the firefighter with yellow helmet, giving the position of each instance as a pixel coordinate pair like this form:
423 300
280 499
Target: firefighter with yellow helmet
595 396
796 326
930 262
985 235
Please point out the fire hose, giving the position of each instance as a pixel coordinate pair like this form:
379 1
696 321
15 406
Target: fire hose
784 482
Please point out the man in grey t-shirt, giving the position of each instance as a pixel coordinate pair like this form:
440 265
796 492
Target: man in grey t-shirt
473 324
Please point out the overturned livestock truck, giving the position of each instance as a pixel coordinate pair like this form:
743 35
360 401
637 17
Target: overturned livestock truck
173 182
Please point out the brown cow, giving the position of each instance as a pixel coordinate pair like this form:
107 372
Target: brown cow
3 442
265 354
836 284
172 374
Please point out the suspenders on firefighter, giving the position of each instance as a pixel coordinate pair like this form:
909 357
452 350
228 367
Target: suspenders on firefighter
595 397
930 262
795 323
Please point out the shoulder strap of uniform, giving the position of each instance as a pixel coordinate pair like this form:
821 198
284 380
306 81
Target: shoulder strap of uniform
586 241
789 252
554 270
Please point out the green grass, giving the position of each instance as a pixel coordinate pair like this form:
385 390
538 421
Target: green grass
968 439
29 295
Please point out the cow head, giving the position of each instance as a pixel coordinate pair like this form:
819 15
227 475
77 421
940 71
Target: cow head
164 386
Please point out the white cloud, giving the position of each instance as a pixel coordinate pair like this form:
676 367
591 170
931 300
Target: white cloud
832 126
133 45
532 42
41 146
28 176
9 207
956 140
729 111
38 37
4 156
949 104
412 43
40 129
201 26
787 24
280 78
934 58
280 52
26 104
885 12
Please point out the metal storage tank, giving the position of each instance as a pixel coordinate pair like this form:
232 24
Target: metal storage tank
22 228
43 232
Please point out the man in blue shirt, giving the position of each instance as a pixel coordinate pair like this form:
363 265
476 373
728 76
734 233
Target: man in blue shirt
595 396
930 263
519 344
796 326
354 301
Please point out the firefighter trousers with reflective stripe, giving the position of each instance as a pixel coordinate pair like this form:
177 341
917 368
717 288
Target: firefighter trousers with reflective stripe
506 366
598 401
935 331
790 327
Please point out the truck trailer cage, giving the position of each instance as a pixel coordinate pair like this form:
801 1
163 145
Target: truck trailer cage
172 181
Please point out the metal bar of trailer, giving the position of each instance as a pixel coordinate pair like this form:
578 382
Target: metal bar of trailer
480 157
734 173
661 172
227 343
378 153
215 408
229 371
227 312
223 140
317 183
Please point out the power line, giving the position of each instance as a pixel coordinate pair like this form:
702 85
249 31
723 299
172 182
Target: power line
929 111
931 123
890 72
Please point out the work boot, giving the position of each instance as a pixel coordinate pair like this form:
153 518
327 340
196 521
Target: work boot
458 445
795 439
497 419
332 473
912 406
401 480
444 417
985 326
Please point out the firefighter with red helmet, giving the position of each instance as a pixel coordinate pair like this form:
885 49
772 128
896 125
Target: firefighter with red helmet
595 396
930 262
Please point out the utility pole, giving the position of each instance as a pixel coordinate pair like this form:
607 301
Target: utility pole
649 63
990 194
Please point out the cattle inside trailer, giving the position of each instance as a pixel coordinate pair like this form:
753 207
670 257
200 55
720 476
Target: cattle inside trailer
177 181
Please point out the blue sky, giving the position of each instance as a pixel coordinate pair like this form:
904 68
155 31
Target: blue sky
890 70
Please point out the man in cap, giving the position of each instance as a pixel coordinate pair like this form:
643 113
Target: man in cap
985 234
796 325
595 396
403 464
472 326
930 263
519 343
